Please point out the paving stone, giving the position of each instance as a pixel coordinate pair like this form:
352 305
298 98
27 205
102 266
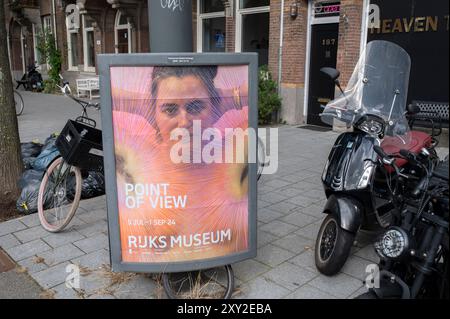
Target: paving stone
315 194
310 231
63 238
294 243
284 208
273 197
266 215
313 210
368 253
52 276
63 292
356 267
299 219
249 269
289 192
264 238
31 265
94 260
30 220
93 216
30 234
359 292
61 254
277 183
272 255
278 228
262 288
309 292
11 226
92 243
289 276
28 249
305 260
302 201
92 229
94 284
139 287
94 203
9 241
340 286
262 204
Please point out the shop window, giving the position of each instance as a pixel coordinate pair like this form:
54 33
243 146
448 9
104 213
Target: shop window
252 28
211 33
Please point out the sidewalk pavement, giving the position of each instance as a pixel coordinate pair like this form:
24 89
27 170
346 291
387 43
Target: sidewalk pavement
290 206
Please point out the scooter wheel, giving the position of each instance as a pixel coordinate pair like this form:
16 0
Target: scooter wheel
333 246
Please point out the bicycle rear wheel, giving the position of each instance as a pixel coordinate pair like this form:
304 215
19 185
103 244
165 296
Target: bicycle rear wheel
18 100
59 195
214 283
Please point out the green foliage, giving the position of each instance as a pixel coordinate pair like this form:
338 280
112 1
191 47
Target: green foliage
269 101
50 55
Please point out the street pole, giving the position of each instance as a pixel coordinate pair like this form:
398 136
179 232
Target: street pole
170 26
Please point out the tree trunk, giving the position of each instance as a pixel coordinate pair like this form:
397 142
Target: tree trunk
10 156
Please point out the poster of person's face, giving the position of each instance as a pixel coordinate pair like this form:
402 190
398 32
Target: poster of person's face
181 155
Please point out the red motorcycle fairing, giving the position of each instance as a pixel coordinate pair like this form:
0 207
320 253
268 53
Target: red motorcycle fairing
415 141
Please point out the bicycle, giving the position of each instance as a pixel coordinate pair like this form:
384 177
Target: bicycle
18 101
80 146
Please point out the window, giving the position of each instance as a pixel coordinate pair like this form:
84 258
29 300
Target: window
72 45
47 23
211 26
122 34
88 44
37 55
252 28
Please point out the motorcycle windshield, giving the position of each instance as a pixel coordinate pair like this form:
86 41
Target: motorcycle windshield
378 86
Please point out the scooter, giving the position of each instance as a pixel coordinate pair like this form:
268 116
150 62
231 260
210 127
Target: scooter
361 194
32 80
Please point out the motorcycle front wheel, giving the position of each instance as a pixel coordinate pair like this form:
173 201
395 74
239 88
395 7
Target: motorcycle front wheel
333 246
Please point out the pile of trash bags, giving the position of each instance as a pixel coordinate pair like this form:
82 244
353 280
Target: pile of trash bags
36 158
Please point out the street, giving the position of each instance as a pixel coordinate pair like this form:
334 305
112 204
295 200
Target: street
289 215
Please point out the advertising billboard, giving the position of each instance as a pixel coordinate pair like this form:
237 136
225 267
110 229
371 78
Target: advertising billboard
180 159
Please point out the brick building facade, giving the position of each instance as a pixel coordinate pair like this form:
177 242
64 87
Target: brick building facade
315 33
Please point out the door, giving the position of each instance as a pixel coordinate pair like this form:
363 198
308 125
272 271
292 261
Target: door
122 40
324 45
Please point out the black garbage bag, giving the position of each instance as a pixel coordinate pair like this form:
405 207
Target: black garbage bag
45 158
31 149
93 185
49 142
28 162
28 200
30 176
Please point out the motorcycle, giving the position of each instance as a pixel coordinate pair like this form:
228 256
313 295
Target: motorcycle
361 195
32 80
414 256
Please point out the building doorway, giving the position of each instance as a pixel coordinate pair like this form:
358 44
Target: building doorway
323 53
122 34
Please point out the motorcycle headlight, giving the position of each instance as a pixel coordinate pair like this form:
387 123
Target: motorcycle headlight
365 178
392 244
371 124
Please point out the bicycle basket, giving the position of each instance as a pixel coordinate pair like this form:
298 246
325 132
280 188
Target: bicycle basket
81 145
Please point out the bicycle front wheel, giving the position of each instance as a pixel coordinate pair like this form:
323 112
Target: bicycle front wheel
59 195
18 101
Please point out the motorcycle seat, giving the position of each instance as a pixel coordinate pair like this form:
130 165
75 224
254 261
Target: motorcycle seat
413 141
